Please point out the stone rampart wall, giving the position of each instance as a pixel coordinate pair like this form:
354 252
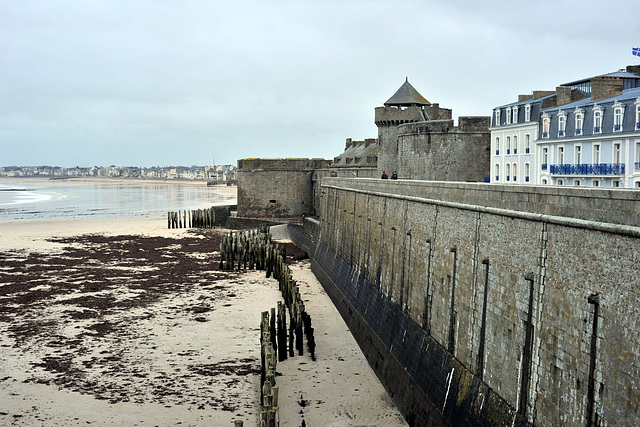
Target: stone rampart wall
525 300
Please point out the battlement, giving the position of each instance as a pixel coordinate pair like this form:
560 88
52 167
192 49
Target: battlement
280 164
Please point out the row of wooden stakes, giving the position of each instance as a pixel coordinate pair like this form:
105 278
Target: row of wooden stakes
253 249
199 218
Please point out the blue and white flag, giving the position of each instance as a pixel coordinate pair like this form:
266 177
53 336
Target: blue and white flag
636 51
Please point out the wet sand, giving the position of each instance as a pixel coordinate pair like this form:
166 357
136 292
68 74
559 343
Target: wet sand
124 322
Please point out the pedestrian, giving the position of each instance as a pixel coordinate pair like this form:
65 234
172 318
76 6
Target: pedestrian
394 175
384 175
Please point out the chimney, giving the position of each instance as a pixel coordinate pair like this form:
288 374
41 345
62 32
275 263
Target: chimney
348 144
540 93
524 97
563 95
603 87
635 69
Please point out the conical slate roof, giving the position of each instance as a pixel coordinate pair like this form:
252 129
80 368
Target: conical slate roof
406 96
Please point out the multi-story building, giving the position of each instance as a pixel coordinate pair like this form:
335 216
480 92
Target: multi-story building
585 132
514 128
592 142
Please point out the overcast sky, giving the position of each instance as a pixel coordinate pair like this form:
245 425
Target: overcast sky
164 82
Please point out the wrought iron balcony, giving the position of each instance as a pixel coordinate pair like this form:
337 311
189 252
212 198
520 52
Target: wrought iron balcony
526 150
617 128
497 152
596 129
515 151
544 166
508 150
560 133
588 169
578 131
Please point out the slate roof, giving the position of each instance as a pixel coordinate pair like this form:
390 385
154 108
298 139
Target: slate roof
406 96
622 74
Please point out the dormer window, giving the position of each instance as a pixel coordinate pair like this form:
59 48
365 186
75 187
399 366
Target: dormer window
579 114
618 115
597 119
336 160
637 113
562 124
498 117
527 113
546 120
514 110
508 114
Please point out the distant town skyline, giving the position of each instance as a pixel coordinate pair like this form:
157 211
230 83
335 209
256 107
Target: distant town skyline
149 83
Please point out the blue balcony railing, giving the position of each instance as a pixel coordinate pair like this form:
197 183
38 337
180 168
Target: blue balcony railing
617 128
508 178
515 151
526 150
578 131
497 152
596 129
497 178
508 150
560 133
526 179
588 169
638 126
637 165
545 134
544 166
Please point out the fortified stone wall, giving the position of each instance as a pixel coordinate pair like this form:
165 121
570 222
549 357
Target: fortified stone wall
276 188
489 305
436 150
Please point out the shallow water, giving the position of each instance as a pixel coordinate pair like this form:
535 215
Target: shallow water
42 199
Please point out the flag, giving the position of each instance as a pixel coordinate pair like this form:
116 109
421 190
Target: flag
636 51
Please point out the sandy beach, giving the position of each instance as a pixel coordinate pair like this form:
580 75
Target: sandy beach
125 322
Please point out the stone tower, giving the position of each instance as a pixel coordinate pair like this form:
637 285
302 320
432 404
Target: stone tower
407 105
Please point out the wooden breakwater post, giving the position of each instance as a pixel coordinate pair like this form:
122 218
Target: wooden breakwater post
269 414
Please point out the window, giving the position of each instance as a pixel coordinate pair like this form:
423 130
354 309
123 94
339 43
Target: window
616 153
527 171
561 155
514 110
616 183
562 124
637 113
597 119
527 143
497 172
637 155
545 126
596 154
544 181
579 121
497 145
497 117
508 145
618 114
578 155
515 172
637 184
595 183
560 182
545 158
576 182
508 171
515 144
527 113
508 114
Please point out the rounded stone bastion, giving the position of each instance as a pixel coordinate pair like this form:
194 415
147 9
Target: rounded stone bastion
275 187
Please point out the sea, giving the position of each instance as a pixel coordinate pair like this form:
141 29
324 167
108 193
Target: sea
60 199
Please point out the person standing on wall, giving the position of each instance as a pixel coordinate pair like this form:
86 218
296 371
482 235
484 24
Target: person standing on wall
394 175
384 175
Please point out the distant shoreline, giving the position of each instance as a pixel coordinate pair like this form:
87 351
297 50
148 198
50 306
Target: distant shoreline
180 181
